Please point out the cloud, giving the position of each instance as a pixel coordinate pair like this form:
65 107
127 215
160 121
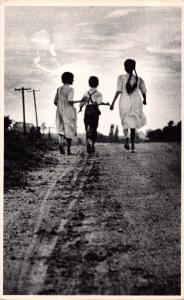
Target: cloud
52 49
105 52
84 24
156 49
96 37
43 42
119 13
159 71
38 65
42 38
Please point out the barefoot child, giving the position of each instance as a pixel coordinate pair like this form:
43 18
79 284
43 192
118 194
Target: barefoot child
130 104
92 99
66 117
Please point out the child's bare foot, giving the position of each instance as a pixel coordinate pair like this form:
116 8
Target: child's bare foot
88 148
69 152
126 145
61 149
133 149
93 149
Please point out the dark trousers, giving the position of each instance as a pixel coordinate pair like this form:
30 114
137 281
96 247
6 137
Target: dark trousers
91 118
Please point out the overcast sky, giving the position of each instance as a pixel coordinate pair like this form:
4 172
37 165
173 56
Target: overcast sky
43 42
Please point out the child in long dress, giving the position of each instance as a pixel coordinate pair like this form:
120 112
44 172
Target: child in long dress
132 89
66 117
92 99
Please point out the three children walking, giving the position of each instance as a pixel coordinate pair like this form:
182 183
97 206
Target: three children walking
129 85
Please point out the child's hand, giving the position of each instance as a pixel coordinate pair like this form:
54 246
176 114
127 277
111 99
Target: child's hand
84 99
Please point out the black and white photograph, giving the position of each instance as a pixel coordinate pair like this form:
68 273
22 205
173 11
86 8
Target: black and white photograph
92 148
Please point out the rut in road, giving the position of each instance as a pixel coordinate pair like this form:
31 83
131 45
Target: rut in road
54 213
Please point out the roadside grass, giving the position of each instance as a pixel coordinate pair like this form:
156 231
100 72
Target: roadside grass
22 154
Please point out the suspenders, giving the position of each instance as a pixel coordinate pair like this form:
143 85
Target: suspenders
90 97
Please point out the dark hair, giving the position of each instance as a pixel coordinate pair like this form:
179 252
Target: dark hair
67 77
93 81
129 68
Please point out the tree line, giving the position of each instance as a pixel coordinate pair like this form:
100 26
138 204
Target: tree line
170 133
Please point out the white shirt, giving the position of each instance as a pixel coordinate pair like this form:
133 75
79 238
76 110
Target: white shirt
96 97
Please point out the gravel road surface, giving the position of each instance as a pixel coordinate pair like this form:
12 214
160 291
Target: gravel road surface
107 224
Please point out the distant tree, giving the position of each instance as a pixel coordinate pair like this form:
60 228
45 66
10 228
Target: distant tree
38 133
178 131
101 138
170 123
111 134
150 134
32 132
170 133
155 135
43 127
116 135
7 123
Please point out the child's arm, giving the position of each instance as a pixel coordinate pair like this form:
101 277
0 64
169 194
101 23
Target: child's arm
81 106
83 102
143 90
104 103
56 98
74 101
118 91
144 97
114 100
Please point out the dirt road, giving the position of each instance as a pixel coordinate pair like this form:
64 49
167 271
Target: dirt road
107 224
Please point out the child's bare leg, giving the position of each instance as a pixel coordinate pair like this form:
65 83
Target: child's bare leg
126 145
88 146
132 138
61 139
61 144
125 131
88 137
93 146
94 137
68 146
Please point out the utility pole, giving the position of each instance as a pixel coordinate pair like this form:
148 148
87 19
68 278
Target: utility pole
23 105
34 97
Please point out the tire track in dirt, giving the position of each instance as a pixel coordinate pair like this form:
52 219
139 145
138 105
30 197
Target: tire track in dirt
62 195
83 258
15 215
21 211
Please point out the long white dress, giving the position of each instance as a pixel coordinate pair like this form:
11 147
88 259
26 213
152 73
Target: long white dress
131 105
66 117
